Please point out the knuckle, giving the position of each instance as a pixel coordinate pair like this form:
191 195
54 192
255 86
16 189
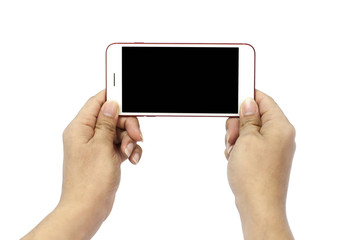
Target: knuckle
249 125
105 125
121 135
249 120
292 131
272 99
67 133
92 98
138 148
288 131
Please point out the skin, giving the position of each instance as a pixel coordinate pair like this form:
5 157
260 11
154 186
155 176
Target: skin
259 148
96 143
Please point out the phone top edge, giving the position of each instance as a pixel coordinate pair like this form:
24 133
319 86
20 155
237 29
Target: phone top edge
187 43
144 115
179 43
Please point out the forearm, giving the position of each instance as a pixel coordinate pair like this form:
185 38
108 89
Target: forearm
265 224
67 222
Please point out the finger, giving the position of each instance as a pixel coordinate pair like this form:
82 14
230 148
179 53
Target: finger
136 155
89 112
226 154
272 116
127 144
105 128
132 126
120 134
232 132
82 126
265 102
250 121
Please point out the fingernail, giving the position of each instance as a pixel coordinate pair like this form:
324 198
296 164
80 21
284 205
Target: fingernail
136 158
129 148
230 148
141 136
110 108
227 136
227 146
249 107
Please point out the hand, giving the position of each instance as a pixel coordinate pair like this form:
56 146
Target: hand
260 147
96 142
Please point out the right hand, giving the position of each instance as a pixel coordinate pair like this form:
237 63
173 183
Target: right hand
259 147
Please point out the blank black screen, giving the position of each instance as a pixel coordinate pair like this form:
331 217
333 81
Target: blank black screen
180 79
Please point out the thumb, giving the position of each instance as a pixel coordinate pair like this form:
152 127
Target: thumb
250 121
105 129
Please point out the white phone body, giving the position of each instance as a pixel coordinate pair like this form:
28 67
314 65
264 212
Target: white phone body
114 81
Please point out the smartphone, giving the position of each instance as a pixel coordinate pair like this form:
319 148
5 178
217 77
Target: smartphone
180 79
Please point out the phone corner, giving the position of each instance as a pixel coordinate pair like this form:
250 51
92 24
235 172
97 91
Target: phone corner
252 47
107 48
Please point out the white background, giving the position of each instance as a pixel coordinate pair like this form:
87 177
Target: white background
52 59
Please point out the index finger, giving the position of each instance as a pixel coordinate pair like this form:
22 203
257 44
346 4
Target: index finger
232 130
91 109
84 123
132 126
272 117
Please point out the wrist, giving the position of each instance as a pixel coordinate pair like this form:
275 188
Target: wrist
264 221
94 205
81 221
67 221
